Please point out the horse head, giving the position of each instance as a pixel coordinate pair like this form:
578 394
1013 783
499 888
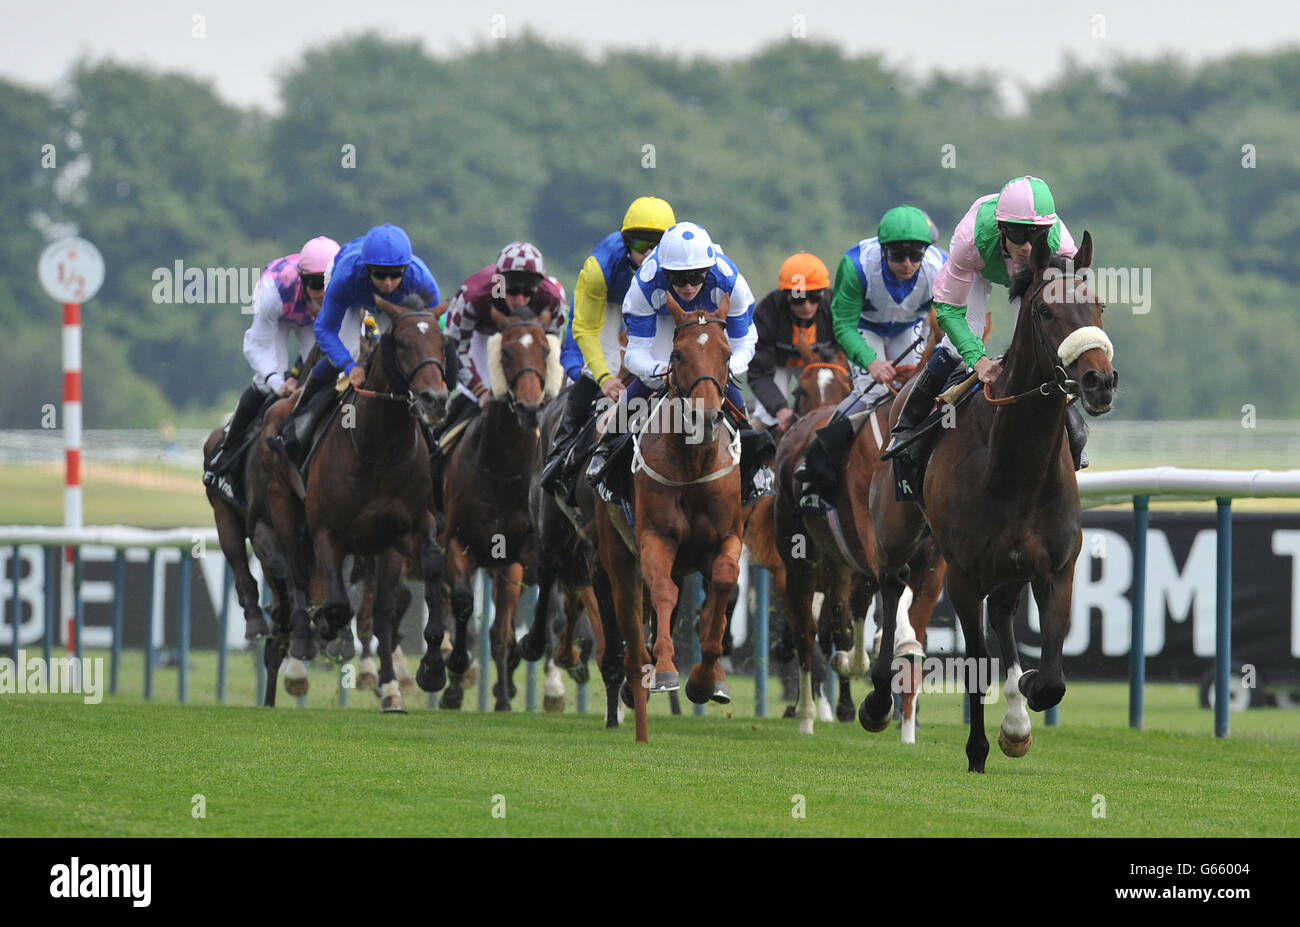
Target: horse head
1061 312
701 352
824 379
524 363
411 355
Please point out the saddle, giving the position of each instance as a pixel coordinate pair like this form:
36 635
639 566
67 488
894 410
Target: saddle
229 483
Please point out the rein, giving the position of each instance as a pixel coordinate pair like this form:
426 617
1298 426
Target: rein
412 404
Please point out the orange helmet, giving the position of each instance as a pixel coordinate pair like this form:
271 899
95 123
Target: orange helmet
804 271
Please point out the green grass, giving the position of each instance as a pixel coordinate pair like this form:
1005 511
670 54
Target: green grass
127 767
145 496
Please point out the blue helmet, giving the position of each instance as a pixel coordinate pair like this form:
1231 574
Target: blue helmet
386 246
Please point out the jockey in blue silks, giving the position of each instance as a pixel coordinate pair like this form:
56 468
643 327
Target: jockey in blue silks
379 263
700 276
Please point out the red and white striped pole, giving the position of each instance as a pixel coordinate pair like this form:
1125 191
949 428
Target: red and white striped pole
71 271
72 511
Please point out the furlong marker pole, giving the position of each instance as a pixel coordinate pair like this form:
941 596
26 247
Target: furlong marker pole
72 511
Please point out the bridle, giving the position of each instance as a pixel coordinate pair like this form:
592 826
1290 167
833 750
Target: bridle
700 319
1059 380
512 401
404 395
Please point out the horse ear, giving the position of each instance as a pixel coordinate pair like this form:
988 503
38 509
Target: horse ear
724 307
499 317
1041 256
1083 257
387 308
675 308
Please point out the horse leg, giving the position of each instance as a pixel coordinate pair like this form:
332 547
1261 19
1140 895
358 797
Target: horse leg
368 669
505 652
567 656
1013 734
657 556
609 640
231 532
533 644
335 611
553 689
388 573
459 571
708 681
431 675
800 585
968 603
1045 686
878 706
927 570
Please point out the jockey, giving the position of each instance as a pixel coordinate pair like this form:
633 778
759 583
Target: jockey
883 291
288 298
796 314
597 322
379 263
517 280
992 242
699 275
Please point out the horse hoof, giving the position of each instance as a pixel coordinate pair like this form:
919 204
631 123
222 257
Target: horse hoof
553 704
256 627
700 695
581 673
721 693
844 712
625 693
368 681
452 698
390 700
790 711
501 705
341 649
1014 748
532 652
295 678
666 682
430 679
302 647
842 663
869 723
1024 680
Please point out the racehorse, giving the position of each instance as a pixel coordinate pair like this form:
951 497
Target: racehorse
368 486
486 490
685 496
1002 501
567 557
824 379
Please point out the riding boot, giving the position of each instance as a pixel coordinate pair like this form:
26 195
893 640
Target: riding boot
577 408
1076 430
249 403
296 432
756 478
920 400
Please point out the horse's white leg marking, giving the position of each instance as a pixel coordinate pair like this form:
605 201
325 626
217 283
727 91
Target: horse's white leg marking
909 702
295 669
554 685
401 669
806 709
824 711
1016 720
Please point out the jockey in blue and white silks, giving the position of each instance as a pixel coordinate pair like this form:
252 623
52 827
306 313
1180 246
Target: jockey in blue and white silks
378 263
700 276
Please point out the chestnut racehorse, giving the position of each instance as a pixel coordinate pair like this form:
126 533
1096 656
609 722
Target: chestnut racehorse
685 498
1002 501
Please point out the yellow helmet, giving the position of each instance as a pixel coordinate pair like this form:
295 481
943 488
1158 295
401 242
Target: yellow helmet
649 213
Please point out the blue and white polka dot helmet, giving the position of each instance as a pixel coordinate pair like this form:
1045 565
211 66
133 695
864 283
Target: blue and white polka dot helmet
686 246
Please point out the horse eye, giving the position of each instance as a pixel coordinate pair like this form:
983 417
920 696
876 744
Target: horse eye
1044 312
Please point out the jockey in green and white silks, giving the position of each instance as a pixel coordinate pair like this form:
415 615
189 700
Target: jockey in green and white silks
883 292
991 243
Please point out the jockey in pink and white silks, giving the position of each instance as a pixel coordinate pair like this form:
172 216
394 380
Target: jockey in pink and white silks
699 275
287 299
992 243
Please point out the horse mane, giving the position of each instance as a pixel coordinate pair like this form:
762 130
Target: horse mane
1020 283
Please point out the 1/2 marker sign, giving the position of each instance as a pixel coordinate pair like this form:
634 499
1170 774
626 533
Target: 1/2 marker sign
71 270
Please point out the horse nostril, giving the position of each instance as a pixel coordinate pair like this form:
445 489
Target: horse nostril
1092 380
1114 379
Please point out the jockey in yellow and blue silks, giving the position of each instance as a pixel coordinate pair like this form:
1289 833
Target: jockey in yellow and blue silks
597 322
699 275
379 263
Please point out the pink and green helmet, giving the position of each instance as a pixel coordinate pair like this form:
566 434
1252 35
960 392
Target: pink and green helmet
1026 200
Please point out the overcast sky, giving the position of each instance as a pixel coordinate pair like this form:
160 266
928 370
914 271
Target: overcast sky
243 48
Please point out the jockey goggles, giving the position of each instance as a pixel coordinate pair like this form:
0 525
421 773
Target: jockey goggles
905 252
695 277
1018 234
386 273
812 296
640 245
313 281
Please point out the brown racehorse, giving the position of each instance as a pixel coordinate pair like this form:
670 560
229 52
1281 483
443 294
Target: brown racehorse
824 379
368 486
1002 501
685 496
486 490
